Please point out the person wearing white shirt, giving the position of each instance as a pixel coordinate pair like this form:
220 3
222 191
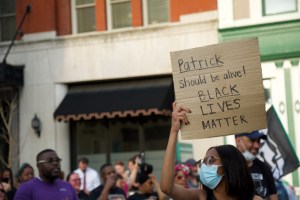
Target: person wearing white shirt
89 177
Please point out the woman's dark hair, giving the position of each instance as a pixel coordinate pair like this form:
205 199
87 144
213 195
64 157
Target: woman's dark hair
133 158
21 170
237 177
10 176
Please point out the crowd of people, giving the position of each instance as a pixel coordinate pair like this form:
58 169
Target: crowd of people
226 172
115 181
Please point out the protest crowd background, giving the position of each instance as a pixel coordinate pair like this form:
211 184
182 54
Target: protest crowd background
92 82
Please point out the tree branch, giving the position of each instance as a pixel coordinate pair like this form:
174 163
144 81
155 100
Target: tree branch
3 161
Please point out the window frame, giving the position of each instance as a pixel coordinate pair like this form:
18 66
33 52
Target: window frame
146 14
74 8
264 13
109 13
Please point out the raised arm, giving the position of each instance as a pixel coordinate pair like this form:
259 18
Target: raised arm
133 174
109 183
161 195
167 176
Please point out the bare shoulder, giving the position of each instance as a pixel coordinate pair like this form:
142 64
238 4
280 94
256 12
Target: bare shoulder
180 193
257 198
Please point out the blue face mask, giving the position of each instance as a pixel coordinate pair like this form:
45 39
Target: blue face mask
209 175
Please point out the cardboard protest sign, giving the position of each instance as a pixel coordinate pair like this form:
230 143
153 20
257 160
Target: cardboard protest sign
222 85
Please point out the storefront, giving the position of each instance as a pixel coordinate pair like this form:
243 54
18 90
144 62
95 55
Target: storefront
114 120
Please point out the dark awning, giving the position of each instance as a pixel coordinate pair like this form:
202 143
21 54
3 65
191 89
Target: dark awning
11 75
118 99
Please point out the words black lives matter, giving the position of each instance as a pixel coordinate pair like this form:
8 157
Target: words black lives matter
217 93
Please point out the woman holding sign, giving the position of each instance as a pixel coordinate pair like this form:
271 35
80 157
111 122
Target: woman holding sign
223 171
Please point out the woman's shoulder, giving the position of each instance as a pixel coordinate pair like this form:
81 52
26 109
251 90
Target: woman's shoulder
257 197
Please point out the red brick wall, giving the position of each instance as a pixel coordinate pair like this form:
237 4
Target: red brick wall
55 15
181 7
137 13
100 15
63 17
40 19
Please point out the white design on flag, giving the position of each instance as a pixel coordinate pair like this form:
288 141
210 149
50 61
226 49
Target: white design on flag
277 151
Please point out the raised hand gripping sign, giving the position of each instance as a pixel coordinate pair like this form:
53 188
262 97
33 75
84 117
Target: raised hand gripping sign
222 85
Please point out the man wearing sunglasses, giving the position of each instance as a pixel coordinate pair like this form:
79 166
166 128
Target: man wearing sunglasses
47 185
249 144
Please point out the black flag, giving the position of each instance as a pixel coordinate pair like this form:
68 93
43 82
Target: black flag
277 151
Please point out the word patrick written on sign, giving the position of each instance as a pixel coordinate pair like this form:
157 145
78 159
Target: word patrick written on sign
222 85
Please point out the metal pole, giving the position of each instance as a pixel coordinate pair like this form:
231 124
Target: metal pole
28 9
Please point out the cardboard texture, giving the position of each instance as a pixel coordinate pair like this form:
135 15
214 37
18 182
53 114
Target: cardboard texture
222 85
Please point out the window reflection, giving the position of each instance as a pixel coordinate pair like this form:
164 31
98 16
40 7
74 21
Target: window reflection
272 7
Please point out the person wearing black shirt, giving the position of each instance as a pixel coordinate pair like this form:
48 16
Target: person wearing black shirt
108 187
249 144
146 184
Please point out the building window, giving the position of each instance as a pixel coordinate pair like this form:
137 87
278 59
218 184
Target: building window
273 7
241 9
85 15
155 11
119 13
7 19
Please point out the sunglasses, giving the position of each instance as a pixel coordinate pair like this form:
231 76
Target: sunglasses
2 190
180 177
207 161
50 160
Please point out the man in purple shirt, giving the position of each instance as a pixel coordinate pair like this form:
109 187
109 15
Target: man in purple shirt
47 186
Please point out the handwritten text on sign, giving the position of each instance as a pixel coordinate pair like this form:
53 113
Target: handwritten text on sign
222 85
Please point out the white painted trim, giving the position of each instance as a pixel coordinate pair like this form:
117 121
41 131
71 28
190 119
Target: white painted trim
86 5
109 11
39 36
119 1
108 15
145 12
225 9
255 9
74 17
264 20
199 17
